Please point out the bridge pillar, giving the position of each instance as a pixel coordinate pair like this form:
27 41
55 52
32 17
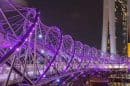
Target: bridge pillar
108 31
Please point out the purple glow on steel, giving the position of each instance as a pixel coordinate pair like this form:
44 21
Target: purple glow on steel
26 40
44 76
60 54
17 49
58 46
57 80
67 45
10 47
42 51
6 56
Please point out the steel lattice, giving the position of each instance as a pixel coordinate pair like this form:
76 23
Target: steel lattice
32 52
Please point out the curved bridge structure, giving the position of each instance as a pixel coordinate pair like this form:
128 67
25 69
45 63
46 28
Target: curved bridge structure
33 54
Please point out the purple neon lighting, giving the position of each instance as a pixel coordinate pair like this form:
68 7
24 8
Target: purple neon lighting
27 34
55 49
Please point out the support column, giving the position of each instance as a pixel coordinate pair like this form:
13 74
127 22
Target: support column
105 26
112 28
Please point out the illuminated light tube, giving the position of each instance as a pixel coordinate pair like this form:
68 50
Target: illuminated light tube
128 49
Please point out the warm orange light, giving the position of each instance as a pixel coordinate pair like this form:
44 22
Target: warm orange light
128 49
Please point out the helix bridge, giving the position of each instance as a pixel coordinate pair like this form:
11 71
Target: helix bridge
33 54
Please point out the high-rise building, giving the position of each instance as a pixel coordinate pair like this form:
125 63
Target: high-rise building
115 27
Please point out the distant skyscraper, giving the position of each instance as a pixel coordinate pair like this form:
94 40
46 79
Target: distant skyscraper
115 30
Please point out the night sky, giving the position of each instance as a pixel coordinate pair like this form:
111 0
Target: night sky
82 19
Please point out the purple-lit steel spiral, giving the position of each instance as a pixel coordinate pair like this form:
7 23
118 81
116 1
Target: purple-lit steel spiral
26 37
